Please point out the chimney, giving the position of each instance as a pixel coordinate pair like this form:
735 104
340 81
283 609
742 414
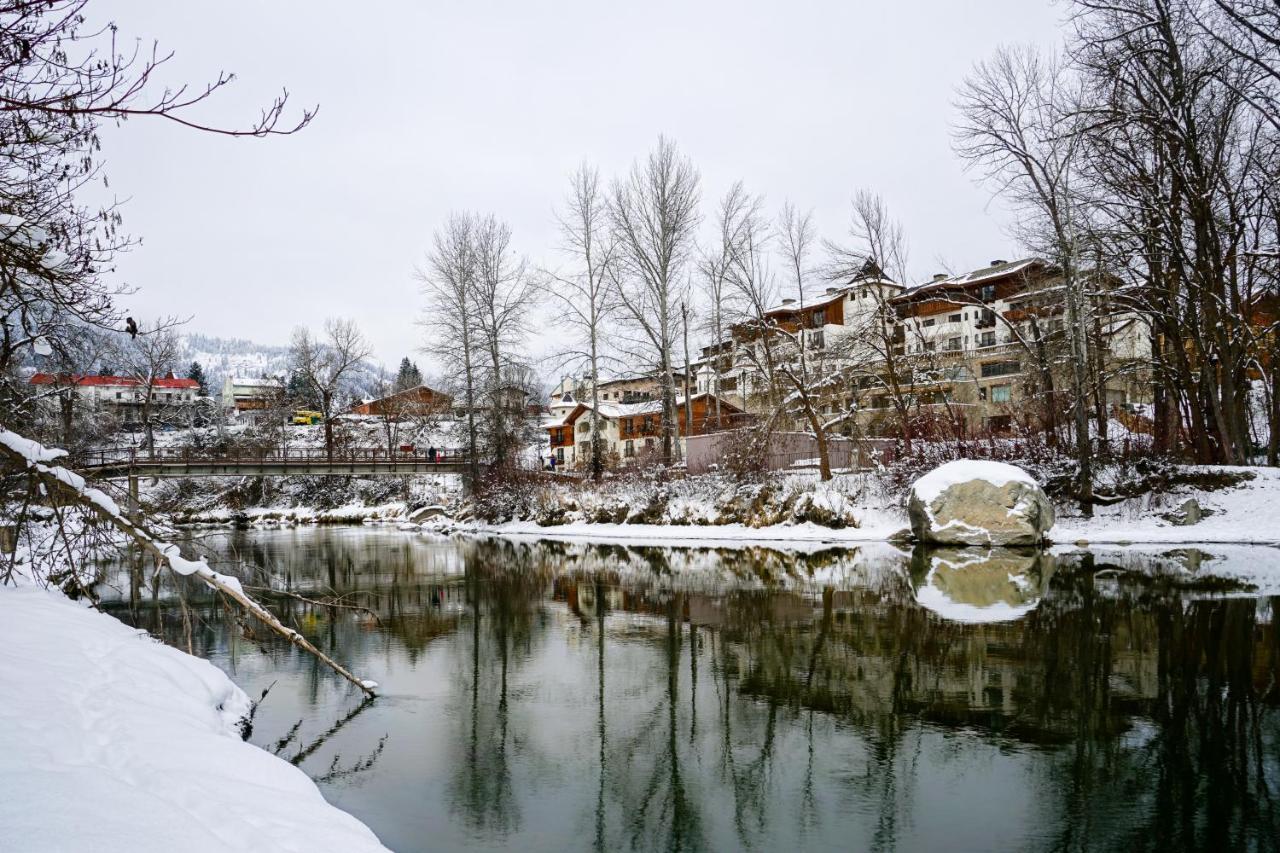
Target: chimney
940 276
788 301
998 262
833 290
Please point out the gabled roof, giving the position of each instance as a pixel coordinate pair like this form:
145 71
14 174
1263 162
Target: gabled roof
100 381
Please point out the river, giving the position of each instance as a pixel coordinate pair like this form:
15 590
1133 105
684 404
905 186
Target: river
544 696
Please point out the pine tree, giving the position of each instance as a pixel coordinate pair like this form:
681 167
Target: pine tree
299 392
196 372
408 376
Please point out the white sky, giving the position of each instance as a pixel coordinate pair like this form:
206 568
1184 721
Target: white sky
427 107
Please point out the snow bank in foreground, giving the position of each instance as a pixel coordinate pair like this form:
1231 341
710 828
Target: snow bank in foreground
112 742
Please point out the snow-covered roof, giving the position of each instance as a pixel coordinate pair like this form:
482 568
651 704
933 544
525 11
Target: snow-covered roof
260 382
613 411
123 381
978 276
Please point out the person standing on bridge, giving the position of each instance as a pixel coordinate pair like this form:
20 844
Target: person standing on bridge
431 454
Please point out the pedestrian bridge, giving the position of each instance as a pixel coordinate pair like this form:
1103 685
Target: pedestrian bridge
116 463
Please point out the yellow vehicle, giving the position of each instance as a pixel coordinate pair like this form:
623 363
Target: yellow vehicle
306 417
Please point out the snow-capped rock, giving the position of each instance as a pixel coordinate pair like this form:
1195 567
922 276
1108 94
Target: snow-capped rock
974 502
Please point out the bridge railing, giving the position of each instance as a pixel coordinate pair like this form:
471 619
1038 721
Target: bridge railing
111 456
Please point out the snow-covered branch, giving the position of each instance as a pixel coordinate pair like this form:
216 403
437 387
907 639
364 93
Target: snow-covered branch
69 487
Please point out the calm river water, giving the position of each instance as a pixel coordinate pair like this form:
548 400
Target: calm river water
540 696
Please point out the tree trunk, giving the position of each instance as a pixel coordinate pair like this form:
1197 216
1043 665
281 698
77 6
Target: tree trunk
820 436
326 401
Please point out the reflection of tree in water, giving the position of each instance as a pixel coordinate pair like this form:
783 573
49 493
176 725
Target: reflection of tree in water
653 790
506 601
1150 717
1198 767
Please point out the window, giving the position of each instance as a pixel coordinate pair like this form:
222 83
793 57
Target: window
560 455
953 344
954 318
1000 424
930 346
1000 368
629 449
1001 393
927 323
816 340
987 339
987 292
820 317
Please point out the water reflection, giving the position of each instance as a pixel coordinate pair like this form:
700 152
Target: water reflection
548 696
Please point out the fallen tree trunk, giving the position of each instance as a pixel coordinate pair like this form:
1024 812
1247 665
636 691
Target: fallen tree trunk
63 484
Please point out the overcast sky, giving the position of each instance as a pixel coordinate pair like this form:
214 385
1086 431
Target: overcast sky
428 107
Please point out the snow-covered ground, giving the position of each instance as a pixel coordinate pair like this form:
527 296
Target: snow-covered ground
1247 514
110 741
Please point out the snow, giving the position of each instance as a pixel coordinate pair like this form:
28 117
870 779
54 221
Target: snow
796 537
930 597
117 743
949 474
1248 514
32 450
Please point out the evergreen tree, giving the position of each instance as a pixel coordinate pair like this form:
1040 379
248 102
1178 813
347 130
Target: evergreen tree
299 392
409 376
196 372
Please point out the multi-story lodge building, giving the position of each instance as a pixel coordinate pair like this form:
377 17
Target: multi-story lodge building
969 354
831 324
962 353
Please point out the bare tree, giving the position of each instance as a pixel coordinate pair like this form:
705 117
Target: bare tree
451 334
323 364
796 237
501 298
148 359
653 214
60 78
714 270
752 292
584 293
1018 126
875 353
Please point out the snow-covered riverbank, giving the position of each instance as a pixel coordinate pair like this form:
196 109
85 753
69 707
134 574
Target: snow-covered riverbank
1243 514
110 741
794 511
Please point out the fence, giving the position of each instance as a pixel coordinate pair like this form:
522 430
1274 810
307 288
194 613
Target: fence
257 455
789 451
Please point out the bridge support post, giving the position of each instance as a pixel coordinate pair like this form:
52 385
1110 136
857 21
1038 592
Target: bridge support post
135 505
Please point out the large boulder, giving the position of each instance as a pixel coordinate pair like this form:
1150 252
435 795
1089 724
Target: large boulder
971 502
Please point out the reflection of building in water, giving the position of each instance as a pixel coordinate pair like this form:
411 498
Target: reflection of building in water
1067 656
